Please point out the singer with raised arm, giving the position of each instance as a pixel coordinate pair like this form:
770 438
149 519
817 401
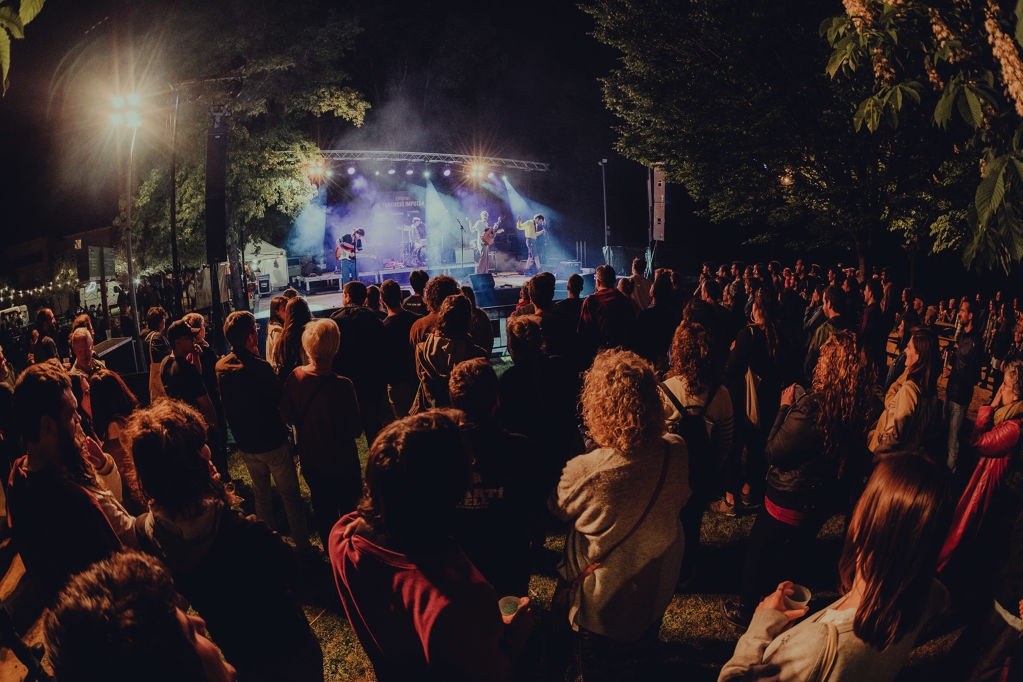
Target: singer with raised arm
533 229
347 248
485 233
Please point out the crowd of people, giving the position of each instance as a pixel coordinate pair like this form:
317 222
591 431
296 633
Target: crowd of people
625 417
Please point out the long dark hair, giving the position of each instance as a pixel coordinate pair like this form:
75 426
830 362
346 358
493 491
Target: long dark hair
111 400
923 370
289 350
766 301
892 544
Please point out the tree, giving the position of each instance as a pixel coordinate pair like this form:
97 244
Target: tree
732 99
966 54
14 16
281 75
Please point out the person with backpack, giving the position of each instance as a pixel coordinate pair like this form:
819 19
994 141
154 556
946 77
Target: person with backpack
816 445
700 411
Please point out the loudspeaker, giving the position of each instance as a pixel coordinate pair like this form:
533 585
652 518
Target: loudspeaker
658 203
483 287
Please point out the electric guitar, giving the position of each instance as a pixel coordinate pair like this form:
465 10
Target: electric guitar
490 234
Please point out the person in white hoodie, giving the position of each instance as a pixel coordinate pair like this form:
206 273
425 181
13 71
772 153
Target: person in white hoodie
888 575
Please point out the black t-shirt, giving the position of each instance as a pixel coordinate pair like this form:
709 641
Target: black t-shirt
46 349
157 346
182 380
415 305
399 358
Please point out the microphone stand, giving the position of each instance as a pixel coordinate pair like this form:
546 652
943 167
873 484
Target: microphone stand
461 247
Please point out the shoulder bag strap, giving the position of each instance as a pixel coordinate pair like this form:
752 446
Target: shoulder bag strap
642 517
682 409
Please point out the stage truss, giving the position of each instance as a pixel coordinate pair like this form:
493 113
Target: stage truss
490 162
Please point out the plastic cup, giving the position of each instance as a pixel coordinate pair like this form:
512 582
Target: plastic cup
799 598
508 605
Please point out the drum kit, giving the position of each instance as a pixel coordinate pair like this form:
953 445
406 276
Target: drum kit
413 245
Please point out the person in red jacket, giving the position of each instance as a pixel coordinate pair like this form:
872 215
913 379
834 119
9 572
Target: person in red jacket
419 607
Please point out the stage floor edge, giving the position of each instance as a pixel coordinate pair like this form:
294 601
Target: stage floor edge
329 300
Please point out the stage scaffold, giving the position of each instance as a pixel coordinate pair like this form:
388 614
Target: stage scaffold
490 162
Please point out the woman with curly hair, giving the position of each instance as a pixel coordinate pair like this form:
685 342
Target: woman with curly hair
693 386
811 451
625 544
289 353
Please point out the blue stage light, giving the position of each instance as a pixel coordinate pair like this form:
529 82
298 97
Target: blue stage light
351 170
426 174
330 173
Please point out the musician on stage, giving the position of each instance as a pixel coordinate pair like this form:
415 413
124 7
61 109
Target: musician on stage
533 229
347 248
484 234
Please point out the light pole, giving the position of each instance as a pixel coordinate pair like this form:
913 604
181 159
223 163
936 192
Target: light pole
603 184
126 113
175 263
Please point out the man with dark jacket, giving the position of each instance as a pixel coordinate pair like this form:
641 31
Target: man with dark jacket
558 332
400 361
607 316
361 356
963 375
872 332
251 395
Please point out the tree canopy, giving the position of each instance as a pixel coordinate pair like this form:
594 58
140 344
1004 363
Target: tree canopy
14 16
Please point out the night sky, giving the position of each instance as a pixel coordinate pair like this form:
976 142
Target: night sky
534 96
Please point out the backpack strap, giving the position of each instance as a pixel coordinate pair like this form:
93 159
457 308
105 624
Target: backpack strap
642 517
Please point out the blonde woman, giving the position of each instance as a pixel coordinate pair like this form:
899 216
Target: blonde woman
623 501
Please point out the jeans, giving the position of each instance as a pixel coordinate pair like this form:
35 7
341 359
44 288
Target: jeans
775 551
954 415
279 464
349 271
532 261
483 264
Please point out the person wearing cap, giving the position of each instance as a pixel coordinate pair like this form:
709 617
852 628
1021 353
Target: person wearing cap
181 379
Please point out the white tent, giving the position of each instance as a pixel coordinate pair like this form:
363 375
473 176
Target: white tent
263 258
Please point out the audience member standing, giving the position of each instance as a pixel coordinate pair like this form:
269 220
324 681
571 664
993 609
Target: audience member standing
480 330
911 403
813 452
558 332
625 544
496 519
571 307
360 356
400 363
656 324
641 285
963 374
57 524
289 349
890 594
112 404
324 410
45 347
834 307
606 319
84 364
873 333
274 329
419 607
157 348
181 378
252 397
233 570
437 290
120 621
416 303
439 352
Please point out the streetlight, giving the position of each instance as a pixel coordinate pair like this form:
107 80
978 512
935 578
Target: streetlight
603 184
125 114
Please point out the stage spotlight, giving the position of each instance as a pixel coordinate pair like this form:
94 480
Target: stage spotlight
391 171
426 174
408 172
376 173
491 175
351 170
504 178
330 173
447 172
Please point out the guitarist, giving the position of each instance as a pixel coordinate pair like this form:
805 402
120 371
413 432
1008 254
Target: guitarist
485 235
347 247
